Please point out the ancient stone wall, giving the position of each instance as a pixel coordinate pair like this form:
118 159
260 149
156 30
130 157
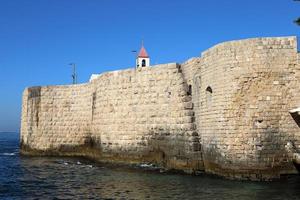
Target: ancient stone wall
226 112
189 68
290 123
56 117
145 114
142 115
243 98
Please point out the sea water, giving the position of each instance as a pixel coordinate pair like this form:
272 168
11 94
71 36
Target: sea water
24 177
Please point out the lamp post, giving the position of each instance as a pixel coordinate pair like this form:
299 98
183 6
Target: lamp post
135 54
74 76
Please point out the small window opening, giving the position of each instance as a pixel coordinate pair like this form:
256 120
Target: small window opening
143 63
260 121
208 96
257 123
189 92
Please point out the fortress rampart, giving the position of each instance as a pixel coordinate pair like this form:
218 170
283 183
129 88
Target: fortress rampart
226 113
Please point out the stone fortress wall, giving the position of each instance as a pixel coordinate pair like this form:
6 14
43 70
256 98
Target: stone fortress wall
226 113
244 123
132 115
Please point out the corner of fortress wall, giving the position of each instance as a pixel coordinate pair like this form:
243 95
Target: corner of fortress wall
226 112
53 116
244 91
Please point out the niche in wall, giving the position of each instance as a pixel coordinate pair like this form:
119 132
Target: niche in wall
208 93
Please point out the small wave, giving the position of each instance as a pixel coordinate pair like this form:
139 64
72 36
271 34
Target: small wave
148 165
73 163
8 154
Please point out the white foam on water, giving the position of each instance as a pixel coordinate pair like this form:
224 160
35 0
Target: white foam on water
8 154
145 165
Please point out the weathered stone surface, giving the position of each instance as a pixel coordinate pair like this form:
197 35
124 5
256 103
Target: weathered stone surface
226 112
245 125
128 116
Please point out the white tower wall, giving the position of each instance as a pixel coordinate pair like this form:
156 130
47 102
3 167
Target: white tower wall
140 61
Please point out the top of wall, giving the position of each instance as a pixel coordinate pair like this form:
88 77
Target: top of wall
134 70
289 42
70 86
263 43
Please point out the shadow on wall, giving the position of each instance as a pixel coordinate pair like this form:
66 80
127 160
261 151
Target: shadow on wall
34 102
296 117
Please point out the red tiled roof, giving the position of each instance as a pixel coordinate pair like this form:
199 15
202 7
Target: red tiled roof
143 53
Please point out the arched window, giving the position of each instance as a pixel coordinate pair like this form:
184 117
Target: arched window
189 92
208 96
143 63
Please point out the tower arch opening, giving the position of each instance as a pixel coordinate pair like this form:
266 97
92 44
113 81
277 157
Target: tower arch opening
143 63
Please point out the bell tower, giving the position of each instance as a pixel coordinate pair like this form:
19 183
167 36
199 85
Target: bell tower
142 60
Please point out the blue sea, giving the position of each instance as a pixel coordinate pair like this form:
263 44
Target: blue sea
24 177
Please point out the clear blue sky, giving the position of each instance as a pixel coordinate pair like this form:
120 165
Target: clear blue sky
39 38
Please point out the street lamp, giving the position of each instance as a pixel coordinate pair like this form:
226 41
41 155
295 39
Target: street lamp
74 75
135 54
